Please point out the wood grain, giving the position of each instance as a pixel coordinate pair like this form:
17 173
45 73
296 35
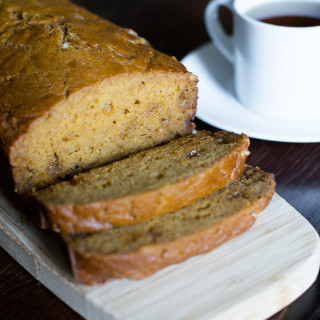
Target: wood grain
176 27
274 263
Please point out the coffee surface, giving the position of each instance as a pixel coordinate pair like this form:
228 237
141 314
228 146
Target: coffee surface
292 21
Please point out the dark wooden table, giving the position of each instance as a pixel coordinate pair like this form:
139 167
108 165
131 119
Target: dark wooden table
176 28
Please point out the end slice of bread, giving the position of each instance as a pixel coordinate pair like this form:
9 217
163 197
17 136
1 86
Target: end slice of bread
139 250
146 185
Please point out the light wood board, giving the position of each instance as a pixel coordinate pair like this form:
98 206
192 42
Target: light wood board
250 277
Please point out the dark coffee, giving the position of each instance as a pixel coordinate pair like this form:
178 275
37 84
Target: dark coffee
288 13
293 21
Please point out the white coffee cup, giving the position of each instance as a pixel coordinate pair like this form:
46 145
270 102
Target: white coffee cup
276 68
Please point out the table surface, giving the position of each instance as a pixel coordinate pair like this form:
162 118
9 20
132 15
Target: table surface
176 28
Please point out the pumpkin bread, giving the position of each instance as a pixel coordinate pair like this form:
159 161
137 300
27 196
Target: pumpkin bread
77 91
145 185
139 250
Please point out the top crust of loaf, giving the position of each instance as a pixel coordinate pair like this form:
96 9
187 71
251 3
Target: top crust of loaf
50 49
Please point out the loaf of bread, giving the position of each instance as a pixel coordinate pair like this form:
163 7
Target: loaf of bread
77 91
138 250
145 185
82 97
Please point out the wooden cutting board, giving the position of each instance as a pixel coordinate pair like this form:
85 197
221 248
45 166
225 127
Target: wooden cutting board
250 277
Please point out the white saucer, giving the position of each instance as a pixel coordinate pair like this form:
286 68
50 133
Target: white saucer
218 106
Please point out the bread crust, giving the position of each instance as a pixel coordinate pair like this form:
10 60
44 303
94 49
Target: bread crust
133 208
93 269
57 62
40 38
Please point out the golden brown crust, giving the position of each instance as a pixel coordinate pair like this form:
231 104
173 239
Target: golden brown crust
92 269
133 208
50 49
77 91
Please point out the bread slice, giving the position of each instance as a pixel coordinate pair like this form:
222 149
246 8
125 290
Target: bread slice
145 185
138 250
77 91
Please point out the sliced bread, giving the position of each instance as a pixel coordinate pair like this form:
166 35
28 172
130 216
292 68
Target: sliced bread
77 91
148 184
139 250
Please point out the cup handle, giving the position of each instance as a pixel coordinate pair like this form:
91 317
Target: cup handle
222 41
